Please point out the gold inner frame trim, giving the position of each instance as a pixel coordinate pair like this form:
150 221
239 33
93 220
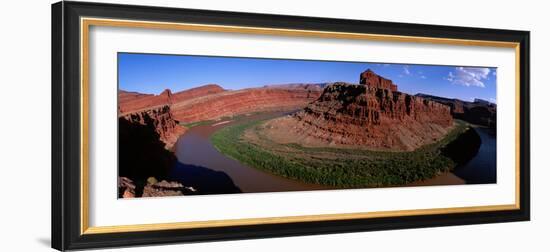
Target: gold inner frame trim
85 24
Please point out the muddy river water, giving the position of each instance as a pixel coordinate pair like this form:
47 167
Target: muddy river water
481 169
195 151
202 166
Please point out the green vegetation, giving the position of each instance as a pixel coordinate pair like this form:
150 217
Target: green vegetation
337 167
194 124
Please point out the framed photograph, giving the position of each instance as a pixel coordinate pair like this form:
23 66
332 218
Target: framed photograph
179 125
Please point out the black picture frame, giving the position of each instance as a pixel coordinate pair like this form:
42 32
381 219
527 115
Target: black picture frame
66 114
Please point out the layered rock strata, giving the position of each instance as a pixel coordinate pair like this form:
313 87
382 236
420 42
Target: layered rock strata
371 79
161 119
242 101
212 102
479 112
371 115
132 101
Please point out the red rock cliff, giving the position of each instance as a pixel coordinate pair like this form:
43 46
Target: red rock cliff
161 119
210 101
132 101
369 78
242 101
373 115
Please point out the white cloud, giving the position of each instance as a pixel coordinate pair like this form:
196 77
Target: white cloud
422 77
469 76
406 70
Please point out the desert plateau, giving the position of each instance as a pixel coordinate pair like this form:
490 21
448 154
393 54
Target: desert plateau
209 139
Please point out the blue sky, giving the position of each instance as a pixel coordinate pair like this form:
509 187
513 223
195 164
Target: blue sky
152 73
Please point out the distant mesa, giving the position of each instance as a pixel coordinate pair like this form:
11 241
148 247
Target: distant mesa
250 100
372 115
211 102
132 101
479 112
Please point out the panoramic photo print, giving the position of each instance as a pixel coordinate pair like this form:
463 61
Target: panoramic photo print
199 125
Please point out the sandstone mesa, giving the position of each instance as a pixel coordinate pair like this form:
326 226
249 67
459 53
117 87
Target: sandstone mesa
372 115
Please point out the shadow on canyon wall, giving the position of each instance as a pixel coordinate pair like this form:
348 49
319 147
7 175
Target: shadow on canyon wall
206 181
141 155
464 148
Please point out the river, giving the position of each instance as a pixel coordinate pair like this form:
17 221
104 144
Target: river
202 166
481 169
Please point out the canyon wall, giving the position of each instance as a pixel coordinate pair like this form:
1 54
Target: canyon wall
479 112
161 120
212 102
232 103
372 115
133 101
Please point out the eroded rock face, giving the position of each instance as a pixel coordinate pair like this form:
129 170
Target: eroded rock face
132 101
161 119
205 90
165 188
152 188
363 105
366 116
211 102
126 188
369 78
243 101
479 112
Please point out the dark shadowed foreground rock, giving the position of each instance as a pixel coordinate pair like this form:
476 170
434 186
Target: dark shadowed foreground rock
165 188
152 188
161 119
126 188
143 153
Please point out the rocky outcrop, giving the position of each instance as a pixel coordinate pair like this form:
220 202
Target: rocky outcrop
161 119
479 112
152 188
141 153
145 139
130 102
372 115
369 78
126 188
